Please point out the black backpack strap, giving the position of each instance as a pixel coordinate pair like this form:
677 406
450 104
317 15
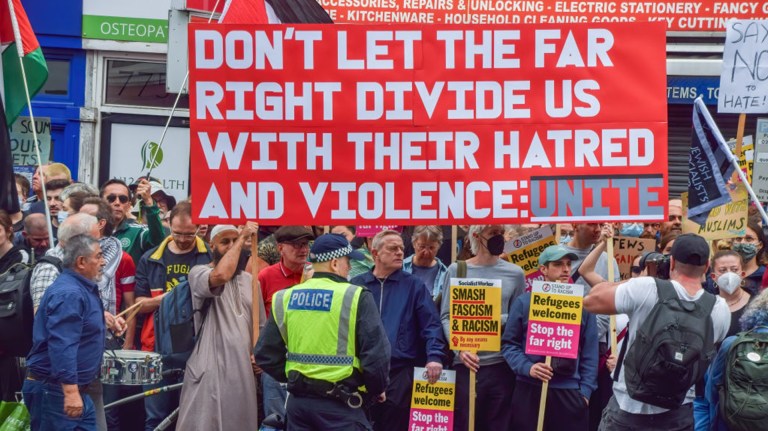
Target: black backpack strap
461 269
665 290
53 260
707 303
623 352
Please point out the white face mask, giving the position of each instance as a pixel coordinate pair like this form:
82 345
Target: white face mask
61 216
729 282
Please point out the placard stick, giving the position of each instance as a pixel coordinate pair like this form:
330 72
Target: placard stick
558 232
255 288
472 394
454 242
326 229
611 278
543 399
739 138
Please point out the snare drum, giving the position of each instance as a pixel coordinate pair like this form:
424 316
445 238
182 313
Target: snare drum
131 367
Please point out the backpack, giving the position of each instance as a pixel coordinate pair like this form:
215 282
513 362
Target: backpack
671 350
16 311
175 333
744 388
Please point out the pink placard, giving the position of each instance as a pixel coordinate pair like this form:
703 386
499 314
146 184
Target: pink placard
370 231
552 339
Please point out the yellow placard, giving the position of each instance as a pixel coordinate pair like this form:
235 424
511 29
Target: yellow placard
725 221
475 314
524 251
747 156
436 396
555 308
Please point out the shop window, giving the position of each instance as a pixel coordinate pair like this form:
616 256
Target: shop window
57 84
139 83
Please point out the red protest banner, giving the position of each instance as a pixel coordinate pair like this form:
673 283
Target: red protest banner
415 124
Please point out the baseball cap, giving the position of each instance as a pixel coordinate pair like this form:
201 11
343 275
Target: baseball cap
555 252
219 228
332 246
691 249
292 233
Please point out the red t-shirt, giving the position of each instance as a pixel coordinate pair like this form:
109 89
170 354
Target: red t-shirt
274 279
125 279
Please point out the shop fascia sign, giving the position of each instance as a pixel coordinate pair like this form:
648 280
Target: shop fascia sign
143 21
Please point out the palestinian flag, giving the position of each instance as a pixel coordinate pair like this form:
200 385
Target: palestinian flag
34 62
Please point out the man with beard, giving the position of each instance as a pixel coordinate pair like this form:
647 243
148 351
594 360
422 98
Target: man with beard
675 220
220 391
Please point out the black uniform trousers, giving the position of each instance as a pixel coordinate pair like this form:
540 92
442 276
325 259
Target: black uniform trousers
323 414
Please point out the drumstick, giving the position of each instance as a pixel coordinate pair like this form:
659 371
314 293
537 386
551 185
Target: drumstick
132 307
132 314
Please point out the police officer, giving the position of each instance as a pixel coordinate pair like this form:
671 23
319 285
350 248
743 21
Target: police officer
322 338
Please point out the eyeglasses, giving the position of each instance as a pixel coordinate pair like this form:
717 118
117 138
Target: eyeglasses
298 245
123 198
675 217
181 235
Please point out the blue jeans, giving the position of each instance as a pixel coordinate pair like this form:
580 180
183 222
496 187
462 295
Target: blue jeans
159 406
45 402
274 395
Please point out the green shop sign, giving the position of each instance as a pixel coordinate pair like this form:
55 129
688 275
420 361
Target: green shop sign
125 29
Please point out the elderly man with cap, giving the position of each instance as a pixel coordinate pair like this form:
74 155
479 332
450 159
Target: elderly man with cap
326 340
219 392
293 246
571 381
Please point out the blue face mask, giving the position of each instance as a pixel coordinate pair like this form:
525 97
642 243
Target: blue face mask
61 216
632 229
565 239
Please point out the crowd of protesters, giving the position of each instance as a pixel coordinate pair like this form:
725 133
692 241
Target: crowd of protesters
127 244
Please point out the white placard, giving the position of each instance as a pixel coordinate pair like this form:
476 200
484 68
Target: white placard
133 147
743 88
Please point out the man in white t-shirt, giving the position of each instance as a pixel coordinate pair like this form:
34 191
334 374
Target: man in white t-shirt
636 298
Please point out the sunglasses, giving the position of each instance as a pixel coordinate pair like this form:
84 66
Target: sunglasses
123 198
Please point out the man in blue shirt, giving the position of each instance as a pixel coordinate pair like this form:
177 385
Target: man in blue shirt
412 325
68 343
571 381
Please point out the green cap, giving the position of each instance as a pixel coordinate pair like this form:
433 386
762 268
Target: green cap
555 252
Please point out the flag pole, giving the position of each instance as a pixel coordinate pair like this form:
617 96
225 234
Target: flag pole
153 154
20 52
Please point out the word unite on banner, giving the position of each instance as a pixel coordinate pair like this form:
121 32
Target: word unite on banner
428 124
